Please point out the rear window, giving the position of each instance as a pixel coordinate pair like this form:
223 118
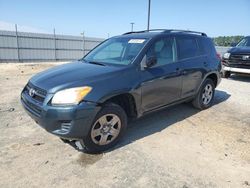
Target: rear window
187 47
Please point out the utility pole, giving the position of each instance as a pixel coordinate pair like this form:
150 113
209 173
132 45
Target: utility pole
17 44
54 31
83 42
149 4
132 26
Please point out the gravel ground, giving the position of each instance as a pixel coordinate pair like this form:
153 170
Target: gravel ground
176 147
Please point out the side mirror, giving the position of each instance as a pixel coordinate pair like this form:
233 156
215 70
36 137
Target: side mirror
233 44
151 61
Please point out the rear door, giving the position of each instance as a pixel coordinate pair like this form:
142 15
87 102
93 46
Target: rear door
193 64
161 84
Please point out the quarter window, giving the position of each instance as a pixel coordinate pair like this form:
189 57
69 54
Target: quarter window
187 47
207 47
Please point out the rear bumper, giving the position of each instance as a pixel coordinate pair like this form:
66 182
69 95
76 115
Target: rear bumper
237 70
69 122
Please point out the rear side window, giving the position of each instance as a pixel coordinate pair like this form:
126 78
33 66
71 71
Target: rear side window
187 47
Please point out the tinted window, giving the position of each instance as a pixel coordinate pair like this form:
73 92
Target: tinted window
207 46
201 44
187 47
163 50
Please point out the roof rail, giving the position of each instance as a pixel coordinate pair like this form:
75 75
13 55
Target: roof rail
168 31
133 32
144 31
184 31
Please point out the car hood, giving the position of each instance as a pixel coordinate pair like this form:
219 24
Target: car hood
239 50
74 74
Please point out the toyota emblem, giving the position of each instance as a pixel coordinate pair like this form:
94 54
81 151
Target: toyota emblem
32 92
245 57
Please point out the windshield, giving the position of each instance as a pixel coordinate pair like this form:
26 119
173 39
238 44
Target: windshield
120 51
244 42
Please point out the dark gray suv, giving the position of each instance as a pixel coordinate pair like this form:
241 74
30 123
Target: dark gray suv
87 103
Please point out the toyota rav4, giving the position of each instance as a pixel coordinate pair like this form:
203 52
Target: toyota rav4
89 102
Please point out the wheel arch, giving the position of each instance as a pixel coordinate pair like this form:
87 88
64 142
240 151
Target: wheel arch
128 101
214 76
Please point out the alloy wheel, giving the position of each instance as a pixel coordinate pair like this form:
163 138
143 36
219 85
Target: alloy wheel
106 129
207 94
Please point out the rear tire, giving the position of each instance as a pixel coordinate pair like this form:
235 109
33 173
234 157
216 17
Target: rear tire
107 129
226 74
204 98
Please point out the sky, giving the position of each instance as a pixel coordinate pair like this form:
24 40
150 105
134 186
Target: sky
103 18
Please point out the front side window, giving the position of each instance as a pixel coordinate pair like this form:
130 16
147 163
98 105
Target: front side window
244 42
163 50
120 51
187 47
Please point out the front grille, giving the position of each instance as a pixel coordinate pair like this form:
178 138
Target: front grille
39 94
35 109
33 98
236 60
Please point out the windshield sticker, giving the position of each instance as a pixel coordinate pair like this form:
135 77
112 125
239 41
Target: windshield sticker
136 41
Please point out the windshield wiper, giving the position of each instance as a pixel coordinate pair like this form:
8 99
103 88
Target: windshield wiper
92 62
96 63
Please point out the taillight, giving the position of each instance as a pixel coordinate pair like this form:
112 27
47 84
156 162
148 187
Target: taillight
218 56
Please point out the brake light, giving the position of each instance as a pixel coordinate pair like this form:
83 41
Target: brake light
218 56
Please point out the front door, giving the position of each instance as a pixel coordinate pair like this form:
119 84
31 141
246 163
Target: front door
161 84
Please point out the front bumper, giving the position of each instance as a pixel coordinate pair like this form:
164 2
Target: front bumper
236 70
69 122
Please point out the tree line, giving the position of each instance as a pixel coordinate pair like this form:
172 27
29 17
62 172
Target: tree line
227 40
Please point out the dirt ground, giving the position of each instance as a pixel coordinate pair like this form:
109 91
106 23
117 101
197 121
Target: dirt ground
176 147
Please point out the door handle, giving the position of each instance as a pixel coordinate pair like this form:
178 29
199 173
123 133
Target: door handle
205 63
177 70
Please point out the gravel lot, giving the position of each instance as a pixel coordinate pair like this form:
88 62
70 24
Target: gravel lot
176 147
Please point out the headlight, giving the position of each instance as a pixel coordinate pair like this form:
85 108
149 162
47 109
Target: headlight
226 55
70 96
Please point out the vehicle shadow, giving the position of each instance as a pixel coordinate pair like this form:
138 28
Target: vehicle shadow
240 77
160 120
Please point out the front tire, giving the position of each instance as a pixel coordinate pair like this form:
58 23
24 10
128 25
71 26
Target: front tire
107 129
205 96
